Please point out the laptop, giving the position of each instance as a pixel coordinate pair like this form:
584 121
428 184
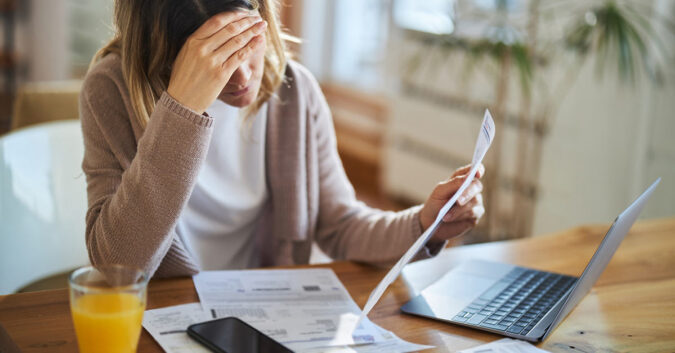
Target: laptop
516 301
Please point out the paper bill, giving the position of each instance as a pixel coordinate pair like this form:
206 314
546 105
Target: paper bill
485 138
168 327
294 307
390 344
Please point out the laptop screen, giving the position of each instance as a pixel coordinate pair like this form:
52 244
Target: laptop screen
603 255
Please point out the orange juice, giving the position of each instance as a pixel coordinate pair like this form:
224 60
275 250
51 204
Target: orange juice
108 322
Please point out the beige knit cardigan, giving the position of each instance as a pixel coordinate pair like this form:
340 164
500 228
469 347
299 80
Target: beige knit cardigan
139 180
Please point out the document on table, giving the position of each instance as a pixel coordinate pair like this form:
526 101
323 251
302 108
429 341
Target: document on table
390 344
505 345
291 306
485 137
168 327
301 308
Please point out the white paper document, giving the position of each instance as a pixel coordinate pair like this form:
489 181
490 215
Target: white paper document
168 327
505 345
291 306
302 309
485 138
390 344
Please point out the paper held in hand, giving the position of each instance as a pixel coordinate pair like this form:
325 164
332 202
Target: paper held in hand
485 137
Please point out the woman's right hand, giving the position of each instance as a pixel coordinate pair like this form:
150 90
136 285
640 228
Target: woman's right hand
211 55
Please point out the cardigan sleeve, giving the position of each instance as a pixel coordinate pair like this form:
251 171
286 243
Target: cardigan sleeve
347 229
133 206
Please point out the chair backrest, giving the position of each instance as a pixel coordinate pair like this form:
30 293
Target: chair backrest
41 102
43 202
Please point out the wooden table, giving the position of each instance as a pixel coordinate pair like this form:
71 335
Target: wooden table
631 308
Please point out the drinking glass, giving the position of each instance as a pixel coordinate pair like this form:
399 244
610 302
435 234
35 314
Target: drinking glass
107 304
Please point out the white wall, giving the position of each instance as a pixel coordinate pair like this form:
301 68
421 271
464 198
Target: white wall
610 142
597 159
316 36
47 40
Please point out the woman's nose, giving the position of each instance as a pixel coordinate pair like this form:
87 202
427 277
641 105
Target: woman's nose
241 76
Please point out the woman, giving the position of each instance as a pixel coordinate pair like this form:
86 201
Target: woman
206 149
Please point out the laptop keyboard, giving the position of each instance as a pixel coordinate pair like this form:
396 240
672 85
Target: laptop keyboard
517 302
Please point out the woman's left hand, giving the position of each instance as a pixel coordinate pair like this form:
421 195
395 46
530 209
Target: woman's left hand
464 215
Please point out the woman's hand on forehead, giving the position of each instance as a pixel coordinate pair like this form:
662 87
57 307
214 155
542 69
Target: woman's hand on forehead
218 21
211 55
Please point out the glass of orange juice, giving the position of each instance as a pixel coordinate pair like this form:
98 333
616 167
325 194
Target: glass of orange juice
107 304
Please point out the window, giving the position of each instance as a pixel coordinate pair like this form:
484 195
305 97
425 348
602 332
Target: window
431 16
90 27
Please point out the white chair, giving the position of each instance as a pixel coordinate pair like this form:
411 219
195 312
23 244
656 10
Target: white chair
43 202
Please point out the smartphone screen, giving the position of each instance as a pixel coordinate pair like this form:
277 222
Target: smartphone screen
231 335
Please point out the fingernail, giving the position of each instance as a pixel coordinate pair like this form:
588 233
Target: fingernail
462 200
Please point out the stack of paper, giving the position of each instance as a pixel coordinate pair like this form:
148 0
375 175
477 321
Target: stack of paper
302 309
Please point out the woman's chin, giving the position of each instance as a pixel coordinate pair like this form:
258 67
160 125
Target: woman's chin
239 102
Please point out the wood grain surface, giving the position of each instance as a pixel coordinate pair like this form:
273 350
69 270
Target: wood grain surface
630 309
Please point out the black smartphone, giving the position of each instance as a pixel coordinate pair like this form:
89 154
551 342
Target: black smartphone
231 335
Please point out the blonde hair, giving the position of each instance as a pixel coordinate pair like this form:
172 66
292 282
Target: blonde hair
148 48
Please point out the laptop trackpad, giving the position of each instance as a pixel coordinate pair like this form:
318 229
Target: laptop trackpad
461 286
454 292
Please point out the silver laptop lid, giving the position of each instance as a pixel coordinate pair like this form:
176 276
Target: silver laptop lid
603 255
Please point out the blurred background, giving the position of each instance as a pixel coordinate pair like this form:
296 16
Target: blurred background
582 92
